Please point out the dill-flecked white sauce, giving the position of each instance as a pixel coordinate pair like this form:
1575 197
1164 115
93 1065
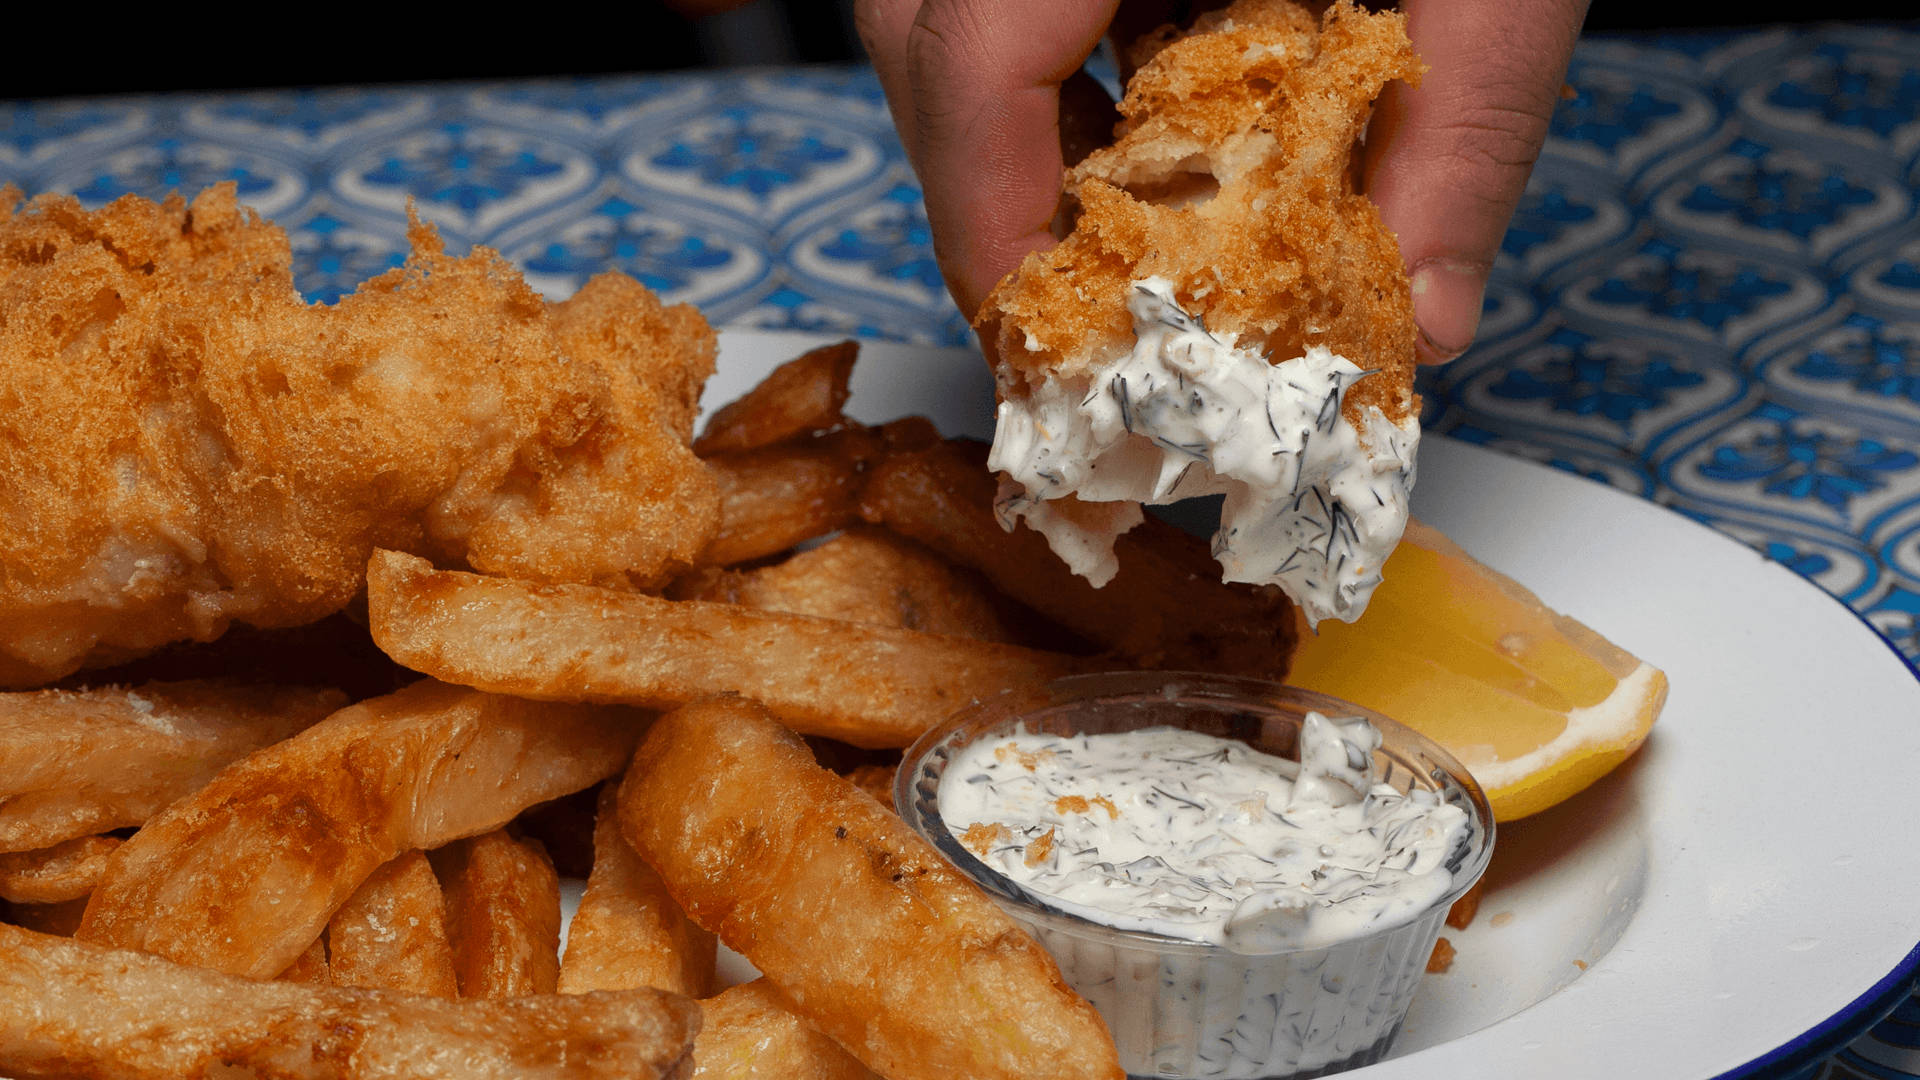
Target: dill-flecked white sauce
1313 503
1190 836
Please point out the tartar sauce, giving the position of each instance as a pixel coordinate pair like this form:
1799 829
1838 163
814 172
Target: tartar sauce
1314 503
1189 836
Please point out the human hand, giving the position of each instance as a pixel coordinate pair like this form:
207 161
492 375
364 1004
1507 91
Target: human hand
982 90
1447 163
975 87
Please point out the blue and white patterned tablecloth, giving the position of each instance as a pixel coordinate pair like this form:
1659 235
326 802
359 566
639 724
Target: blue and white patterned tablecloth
1710 296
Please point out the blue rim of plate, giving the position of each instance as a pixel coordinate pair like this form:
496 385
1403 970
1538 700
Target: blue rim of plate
1858 1016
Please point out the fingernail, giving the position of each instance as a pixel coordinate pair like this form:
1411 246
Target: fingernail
1447 294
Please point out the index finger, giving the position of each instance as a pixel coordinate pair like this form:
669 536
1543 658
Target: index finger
1447 163
984 76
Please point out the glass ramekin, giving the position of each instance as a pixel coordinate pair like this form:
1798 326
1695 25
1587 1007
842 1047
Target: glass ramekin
1191 1009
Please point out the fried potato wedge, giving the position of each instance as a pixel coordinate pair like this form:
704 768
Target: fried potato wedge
865 575
503 915
876 939
78 762
778 496
1165 608
68 870
870 686
627 931
310 968
391 934
875 780
243 874
751 1032
79 1012
803 396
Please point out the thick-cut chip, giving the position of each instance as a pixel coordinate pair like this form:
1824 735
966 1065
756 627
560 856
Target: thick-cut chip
878 941
391 933
68 870
60 919
1460 915
779 496
865 575
503 915
866 685
244 873
751 1032
79 1012
79 762
800 397
310 968
628 932
875 780
1165 608
908 433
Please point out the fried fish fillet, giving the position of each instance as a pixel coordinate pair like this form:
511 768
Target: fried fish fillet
1228 315
1230 176
185 443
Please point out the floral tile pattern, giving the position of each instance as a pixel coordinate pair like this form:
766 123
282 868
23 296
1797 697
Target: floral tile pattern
1710 295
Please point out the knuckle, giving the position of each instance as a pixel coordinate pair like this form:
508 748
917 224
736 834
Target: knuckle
1491 147
947 40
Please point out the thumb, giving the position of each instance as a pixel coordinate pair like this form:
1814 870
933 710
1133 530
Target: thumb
1447 163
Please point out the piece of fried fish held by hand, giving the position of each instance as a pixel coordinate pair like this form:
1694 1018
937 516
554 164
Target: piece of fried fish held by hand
184 442
1227 317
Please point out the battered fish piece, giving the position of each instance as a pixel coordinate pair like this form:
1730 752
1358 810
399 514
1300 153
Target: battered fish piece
1227 316
185 443
1230 177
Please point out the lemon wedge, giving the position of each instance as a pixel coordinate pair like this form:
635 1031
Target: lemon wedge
1536 705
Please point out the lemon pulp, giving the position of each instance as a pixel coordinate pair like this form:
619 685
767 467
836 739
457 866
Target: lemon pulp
1535 704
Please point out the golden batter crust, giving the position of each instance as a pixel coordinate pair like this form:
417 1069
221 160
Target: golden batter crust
1231 177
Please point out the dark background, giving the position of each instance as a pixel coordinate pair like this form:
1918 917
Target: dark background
320 44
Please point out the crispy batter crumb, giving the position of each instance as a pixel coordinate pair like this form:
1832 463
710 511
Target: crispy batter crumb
1039 850
876 780
1028 759
1442 957
980 837
1080 804
1461 914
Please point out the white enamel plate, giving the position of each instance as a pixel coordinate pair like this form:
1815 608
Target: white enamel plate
1743 895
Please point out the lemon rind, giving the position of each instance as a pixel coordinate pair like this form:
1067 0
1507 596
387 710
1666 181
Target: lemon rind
1605 732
